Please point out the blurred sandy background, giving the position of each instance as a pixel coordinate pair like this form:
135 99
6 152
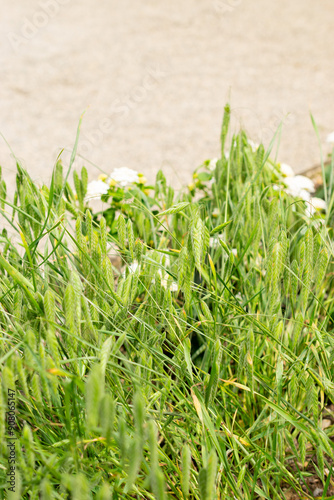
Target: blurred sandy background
154 77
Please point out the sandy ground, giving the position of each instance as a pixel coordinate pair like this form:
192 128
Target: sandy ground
154 76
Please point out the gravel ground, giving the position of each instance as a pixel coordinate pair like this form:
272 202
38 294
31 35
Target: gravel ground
154 76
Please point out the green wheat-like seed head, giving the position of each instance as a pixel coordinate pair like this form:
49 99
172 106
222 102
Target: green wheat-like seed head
89 225
121 231
50 307
131 238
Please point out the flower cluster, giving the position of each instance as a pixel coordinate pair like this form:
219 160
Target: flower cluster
119 177
302 187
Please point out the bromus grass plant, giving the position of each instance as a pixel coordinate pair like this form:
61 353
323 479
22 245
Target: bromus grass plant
200 368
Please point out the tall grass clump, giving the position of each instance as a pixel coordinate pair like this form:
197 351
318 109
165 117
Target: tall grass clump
198 365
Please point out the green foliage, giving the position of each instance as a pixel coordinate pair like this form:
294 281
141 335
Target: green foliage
198 366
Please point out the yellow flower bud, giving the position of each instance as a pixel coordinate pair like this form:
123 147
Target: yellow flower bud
142 180
102 177
112 183
191 187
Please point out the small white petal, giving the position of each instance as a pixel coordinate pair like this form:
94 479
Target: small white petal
309 210
254 145
212 164
286 170
164 282
167 261
330 137
235 252
305 195
133 267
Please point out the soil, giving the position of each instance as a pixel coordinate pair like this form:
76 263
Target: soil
154 76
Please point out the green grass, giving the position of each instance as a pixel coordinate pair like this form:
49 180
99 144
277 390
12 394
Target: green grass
202 372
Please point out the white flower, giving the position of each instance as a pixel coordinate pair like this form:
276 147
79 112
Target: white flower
314 205
212 164
304 195
235 252
318 203
133 267
96 189
286 170
330 137
299 186
123 176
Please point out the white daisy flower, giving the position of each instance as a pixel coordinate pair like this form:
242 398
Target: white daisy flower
318 203
96 189
299 186
123 176
330 137
314 205
286 170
